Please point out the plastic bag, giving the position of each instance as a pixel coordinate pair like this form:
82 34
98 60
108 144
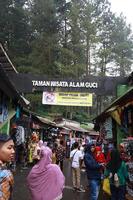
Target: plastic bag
106 186
116 180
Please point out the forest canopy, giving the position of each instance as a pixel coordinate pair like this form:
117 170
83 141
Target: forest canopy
60 38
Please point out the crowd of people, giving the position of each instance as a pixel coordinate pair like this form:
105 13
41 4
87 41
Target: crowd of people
46 179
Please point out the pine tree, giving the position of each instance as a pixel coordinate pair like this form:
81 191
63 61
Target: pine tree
14 29
75 38
45 30
122 40
5 11
89 30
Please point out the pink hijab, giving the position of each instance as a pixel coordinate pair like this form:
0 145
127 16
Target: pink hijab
45 180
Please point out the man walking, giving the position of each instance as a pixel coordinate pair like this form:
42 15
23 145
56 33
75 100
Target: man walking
93 172
76 157
60 154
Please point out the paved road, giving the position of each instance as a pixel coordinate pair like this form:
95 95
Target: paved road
21 192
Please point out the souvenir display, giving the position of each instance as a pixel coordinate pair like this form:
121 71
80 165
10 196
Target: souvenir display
128 145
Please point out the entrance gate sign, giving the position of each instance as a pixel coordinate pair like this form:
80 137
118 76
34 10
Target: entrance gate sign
67 99
64 84
28 83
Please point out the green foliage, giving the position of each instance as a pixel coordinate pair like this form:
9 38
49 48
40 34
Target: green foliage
81 116
122 45
65 39
15 32
45 28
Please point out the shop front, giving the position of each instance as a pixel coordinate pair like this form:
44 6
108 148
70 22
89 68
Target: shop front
116 124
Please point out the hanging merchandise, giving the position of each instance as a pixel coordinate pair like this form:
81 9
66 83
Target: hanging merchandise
108 128
128 144
0 103
18 112
5 112
127 120
3 109
125 117
130 120
20 135
130 183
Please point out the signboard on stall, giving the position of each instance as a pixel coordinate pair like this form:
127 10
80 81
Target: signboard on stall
67 99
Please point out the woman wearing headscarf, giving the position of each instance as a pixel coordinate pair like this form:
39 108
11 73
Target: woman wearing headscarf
45 180
6 177
118 175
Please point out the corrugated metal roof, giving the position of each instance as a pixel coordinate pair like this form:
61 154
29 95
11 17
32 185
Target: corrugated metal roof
78 129
46 121
93 133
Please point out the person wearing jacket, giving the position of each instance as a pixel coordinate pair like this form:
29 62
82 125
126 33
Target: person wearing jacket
117 172
93 172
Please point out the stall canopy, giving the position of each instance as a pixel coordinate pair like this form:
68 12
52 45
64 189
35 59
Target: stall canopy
46 121
41 120
77 129
119 102
69 124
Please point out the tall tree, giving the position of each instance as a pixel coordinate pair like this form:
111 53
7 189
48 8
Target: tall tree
88 34
45 29
4 20
75 37
122 40
14 29
104 43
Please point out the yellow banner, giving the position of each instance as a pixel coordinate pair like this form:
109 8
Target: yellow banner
67 98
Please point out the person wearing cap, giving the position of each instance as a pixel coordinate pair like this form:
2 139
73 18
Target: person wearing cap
6 155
